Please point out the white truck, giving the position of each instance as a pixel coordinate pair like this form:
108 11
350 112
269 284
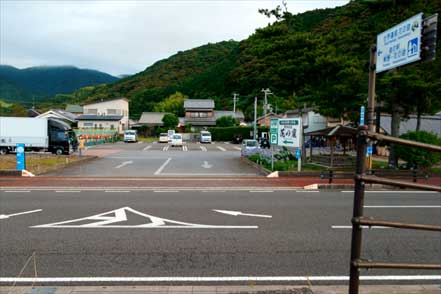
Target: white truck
38 134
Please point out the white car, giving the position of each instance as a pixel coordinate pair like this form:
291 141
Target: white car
176 140
205 137
163 138
249 146
130 136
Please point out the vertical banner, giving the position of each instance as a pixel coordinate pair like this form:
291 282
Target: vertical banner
20 156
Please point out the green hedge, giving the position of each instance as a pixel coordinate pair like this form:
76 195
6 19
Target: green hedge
227 133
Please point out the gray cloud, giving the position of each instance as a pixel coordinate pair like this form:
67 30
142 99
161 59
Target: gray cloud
124 36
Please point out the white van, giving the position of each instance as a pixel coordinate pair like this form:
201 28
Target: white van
205 137
176 140
130 136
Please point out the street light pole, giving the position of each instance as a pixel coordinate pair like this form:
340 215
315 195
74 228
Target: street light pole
255 118
267 92
235 99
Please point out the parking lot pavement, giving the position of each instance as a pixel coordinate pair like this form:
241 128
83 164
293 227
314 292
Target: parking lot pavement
156 159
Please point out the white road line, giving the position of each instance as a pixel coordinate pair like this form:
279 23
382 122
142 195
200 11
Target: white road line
221 148
214 191
165 148
184 148
117 191
216 279
147 148
203 148
124 164
364 227
166 191
161 168
402 206
397 192
261 191
307 191
18 191
237 148
4 216
67 191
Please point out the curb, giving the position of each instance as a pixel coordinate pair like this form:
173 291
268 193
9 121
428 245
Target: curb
256 166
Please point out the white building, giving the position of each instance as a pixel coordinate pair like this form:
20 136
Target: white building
110 114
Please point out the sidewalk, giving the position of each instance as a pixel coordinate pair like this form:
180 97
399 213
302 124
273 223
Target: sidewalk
382 289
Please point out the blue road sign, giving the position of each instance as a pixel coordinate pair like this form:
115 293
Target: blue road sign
298 153
362 110
369 151
20 156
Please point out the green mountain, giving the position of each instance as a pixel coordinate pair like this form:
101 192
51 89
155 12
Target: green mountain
45 81
315 58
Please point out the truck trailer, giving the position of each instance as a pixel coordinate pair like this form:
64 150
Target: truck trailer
38 134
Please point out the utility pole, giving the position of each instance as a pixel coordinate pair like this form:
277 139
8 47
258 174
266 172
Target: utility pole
235 99
265 102
371 98
255 118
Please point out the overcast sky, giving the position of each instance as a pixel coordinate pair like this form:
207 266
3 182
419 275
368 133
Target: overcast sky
124 37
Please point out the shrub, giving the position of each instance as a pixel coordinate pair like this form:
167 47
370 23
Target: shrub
417 156
227 133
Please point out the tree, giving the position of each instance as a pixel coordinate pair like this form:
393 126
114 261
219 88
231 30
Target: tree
173 103
418 156
226 121
170 121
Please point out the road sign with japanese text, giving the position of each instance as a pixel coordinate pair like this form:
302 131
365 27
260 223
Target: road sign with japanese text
289 132
400 44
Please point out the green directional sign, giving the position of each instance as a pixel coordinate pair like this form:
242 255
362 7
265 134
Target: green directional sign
274 127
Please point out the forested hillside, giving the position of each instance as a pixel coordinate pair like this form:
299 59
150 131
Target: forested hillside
41 82
316 58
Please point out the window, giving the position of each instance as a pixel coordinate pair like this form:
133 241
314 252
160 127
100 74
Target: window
198 114
112 127
88 125
92 111
112 111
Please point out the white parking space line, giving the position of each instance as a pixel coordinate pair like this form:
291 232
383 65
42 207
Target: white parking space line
18 191
221 148
147 148
165 148
203 148
184 148
124 164
161 168
216 279
402 206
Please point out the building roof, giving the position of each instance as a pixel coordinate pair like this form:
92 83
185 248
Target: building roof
59 113
74 108
100 117
270 115
220 113
152 118
337 131
199 103
104 101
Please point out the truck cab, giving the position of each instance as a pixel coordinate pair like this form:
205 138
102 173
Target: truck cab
62 139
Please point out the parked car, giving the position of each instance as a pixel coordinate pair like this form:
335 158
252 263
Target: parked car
163 138
249 146
130 136
205 137
176 140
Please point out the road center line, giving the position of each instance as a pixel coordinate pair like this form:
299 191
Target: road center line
166 191
307 191
261 191
117 191
67 191
160 169
18 191
216 279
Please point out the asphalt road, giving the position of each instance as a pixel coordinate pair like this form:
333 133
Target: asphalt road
132 233
162 160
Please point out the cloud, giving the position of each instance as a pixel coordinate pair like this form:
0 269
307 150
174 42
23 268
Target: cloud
124 36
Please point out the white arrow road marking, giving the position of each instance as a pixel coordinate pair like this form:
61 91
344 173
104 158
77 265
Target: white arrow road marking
106 219
147 148
221 148
4 216
203 148
236 213
206 165
124 164
161 168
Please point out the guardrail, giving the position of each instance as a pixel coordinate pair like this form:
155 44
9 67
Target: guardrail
358 218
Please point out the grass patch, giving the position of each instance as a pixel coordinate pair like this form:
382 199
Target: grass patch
40 163
285 165
147 139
